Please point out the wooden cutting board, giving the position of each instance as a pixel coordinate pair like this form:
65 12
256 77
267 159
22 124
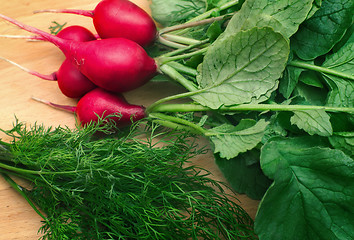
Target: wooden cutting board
17 219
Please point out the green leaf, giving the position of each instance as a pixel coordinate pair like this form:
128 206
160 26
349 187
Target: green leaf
230 141
312 195
311 78
216 3
242 68
342 122
272 151
283 16
343 141
347 38
214 31
315 7
289 80
342 90
311 95
324 29
168 12
313 122
244 174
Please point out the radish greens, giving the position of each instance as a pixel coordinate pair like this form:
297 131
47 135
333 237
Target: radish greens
273 93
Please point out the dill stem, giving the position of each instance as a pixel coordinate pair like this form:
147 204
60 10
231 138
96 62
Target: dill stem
34 172
15 186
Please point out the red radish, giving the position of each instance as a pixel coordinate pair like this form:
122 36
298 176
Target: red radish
77 33
114 64
99 103
71 82
119 18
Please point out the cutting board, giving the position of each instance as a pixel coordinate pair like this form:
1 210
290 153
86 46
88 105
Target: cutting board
17 219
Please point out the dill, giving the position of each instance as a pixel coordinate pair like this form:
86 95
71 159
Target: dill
124 185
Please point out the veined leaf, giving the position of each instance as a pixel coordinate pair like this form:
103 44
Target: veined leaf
242 68
342 90
313 122
289 80
230 141
319 34
283 16
313 189
167 12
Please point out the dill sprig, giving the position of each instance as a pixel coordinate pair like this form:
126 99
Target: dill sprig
126 185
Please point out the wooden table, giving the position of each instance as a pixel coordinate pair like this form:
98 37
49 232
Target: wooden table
17 218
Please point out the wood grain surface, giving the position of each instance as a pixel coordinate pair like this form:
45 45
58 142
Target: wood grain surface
17 218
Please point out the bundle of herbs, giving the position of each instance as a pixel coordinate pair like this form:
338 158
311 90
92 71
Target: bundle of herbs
121 186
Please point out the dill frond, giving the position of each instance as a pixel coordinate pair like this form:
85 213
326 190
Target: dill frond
127 185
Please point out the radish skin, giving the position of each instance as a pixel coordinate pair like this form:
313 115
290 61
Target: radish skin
114 64
77 33
99 103
71 82
118 18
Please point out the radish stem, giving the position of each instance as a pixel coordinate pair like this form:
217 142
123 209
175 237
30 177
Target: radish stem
74 11
169 43
163 59
58 106
246 107
50 77
191 24
177 120
181 39
185 49
183 69
304 65
172 73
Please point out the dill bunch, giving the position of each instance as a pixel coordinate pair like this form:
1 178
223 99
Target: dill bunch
123 185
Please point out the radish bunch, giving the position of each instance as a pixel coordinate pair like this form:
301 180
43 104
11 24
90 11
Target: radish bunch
98 70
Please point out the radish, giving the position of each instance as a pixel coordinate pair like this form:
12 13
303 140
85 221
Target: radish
71 82
114 64
77 33
119 18
100 103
